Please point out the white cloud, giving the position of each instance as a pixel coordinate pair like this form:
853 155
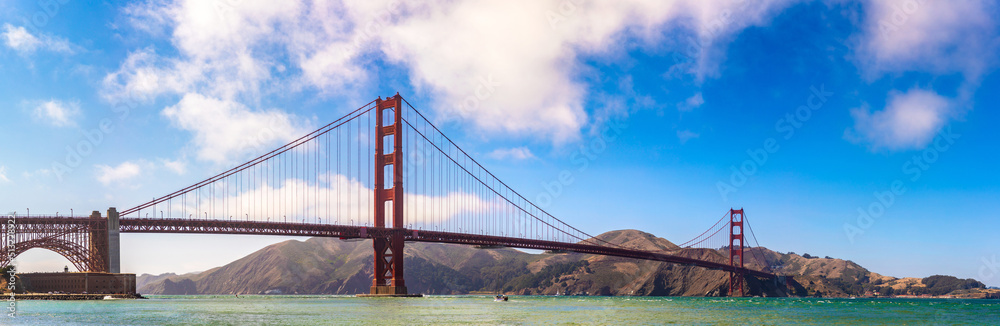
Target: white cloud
19 39
529 49
685 135
514 71
226 49
691 103
144 75
107 175
177 166
517 153
909 121
225 131
936 36
40 173
58 113
930 37
3 174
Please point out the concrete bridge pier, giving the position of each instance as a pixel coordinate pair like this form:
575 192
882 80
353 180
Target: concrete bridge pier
114 242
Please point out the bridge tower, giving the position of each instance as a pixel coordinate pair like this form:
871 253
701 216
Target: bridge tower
388 277
736 277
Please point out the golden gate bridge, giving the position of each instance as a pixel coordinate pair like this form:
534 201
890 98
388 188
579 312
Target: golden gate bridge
382 172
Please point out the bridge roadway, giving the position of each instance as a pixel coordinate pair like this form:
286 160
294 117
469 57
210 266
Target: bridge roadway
169 225
178 225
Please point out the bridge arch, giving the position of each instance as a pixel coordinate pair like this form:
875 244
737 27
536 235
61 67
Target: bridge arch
77 254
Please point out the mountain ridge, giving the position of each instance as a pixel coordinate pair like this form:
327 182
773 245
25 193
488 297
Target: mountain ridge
332 266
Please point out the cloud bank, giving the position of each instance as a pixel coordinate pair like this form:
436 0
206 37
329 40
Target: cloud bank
514 72
931 37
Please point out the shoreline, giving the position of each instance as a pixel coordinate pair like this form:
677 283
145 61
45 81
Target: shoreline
586 296
76 296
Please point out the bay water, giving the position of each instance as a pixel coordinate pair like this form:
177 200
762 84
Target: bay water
519 310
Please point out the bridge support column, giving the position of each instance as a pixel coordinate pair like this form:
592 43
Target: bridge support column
388 276
97 247
736 276
114 242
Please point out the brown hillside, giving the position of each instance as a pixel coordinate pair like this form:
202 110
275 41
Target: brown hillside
331 266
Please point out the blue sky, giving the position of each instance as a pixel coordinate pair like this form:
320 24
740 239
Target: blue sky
807 114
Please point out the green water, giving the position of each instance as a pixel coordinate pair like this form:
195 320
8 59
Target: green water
461 310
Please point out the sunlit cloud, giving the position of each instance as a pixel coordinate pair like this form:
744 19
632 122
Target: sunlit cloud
909 121
57 113
516 153
19 39
108 175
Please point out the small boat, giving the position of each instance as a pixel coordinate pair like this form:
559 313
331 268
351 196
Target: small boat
108 297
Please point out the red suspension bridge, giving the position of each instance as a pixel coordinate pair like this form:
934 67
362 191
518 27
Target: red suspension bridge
382 172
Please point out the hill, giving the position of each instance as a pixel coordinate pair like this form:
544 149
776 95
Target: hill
332 266
328 266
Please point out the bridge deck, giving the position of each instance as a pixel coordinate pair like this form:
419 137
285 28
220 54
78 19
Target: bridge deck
144 225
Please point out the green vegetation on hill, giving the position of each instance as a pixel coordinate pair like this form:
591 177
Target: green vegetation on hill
4 277
499 275
941 285
934 285
428 277
545 277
